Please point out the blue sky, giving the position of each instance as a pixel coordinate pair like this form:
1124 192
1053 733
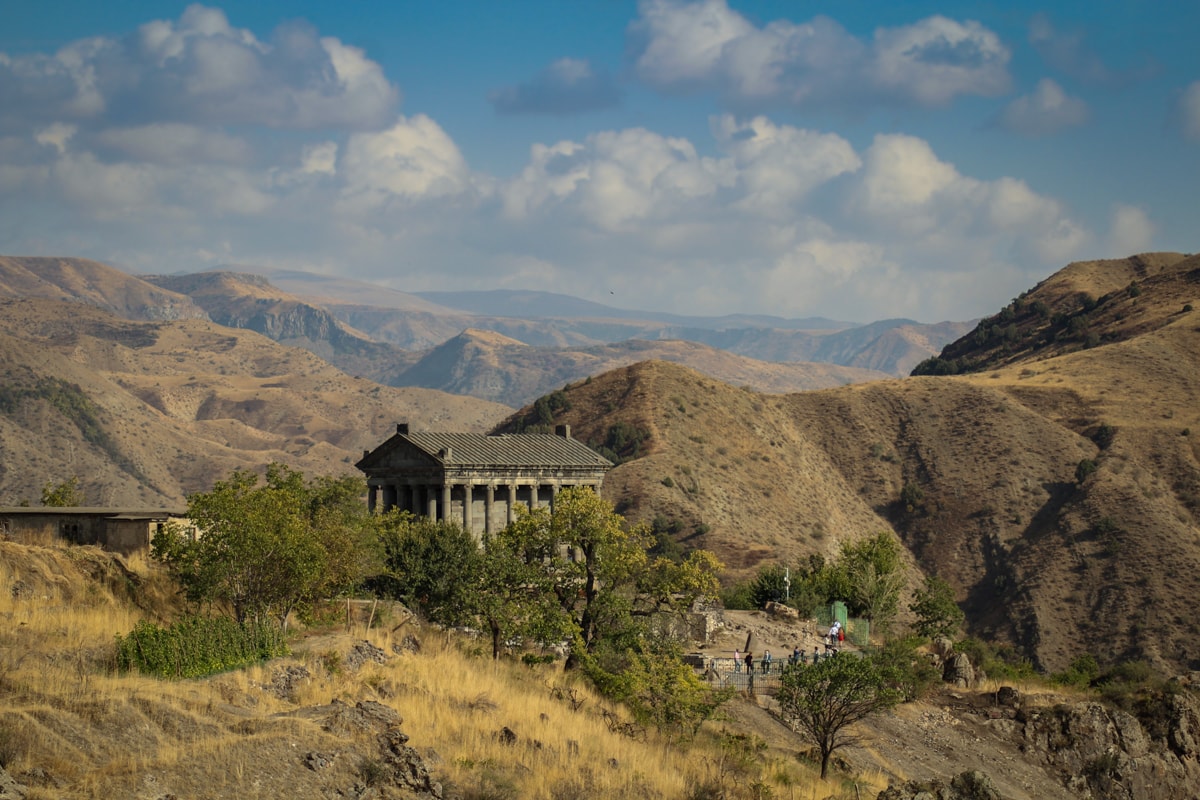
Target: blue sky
857 160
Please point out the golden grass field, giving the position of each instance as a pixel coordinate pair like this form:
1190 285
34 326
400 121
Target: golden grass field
70 727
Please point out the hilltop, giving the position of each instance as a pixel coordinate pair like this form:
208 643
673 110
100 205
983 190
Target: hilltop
1055 558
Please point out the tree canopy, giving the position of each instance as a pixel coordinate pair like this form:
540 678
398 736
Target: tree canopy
266 550
827 698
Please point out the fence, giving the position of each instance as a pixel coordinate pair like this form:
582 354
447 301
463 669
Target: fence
725 672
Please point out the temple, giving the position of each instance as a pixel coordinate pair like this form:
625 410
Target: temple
477 480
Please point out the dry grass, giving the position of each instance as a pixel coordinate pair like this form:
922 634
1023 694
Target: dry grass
71 727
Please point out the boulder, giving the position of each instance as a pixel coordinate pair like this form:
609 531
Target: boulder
958 671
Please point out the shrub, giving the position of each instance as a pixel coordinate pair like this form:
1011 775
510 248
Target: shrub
197 646
1083 469
1081 673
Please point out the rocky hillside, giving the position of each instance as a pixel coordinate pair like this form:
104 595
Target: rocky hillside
145 412
246 301
1050 492
496 367
402 711
90 282
541 319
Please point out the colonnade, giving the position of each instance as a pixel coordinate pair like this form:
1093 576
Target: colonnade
465 502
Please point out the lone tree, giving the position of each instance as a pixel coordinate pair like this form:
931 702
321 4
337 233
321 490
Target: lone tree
829 697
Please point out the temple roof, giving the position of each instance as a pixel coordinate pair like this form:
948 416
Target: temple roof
510 449
480 451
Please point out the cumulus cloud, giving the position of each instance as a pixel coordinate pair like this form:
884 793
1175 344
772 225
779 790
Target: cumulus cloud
199 69
777 165
567 86
1189 110
680 45
907 189
411 160
1130 231
1047 110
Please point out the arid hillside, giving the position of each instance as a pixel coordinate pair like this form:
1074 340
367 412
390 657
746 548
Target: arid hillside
495 367
1059 495
145 412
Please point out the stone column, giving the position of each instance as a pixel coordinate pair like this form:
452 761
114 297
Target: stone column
489 499
371 492
447 502
553 495
415 498
512 503
468 497
431 503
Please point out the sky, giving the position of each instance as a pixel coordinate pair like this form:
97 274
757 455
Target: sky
853 160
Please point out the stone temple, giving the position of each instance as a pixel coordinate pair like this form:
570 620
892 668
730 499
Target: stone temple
477 480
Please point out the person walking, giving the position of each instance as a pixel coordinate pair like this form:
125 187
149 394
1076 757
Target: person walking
766 663
737 660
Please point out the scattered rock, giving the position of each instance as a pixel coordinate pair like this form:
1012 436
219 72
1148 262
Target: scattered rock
1008 696
10 789
362 652
506 735
318 761
782 611
405 765
964 786
366 715
409 644
286 681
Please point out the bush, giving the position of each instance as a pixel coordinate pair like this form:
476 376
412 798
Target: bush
197 646
1083 469
1082 672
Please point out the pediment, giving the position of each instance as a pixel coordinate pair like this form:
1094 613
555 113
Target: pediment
397 454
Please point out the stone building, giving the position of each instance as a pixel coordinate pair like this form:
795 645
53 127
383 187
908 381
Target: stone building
477 480
122 530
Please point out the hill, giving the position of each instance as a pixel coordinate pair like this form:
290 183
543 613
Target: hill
145 412
543 319
379 706
496 367
1054 557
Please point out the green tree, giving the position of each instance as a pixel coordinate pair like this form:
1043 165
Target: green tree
826 699
937 613
268 550
769 585
596 568
64 495
431 566
874 576
511 587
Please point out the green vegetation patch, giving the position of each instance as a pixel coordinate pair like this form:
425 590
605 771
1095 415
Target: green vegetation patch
197 646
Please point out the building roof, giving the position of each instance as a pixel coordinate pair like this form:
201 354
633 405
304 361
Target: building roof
510 449
94 511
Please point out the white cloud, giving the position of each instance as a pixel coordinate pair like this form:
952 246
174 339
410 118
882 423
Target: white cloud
198 70
411 160
780 164
1189 108
1048 109
706 45
1130 231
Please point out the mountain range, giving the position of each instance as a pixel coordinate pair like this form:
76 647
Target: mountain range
1046 464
